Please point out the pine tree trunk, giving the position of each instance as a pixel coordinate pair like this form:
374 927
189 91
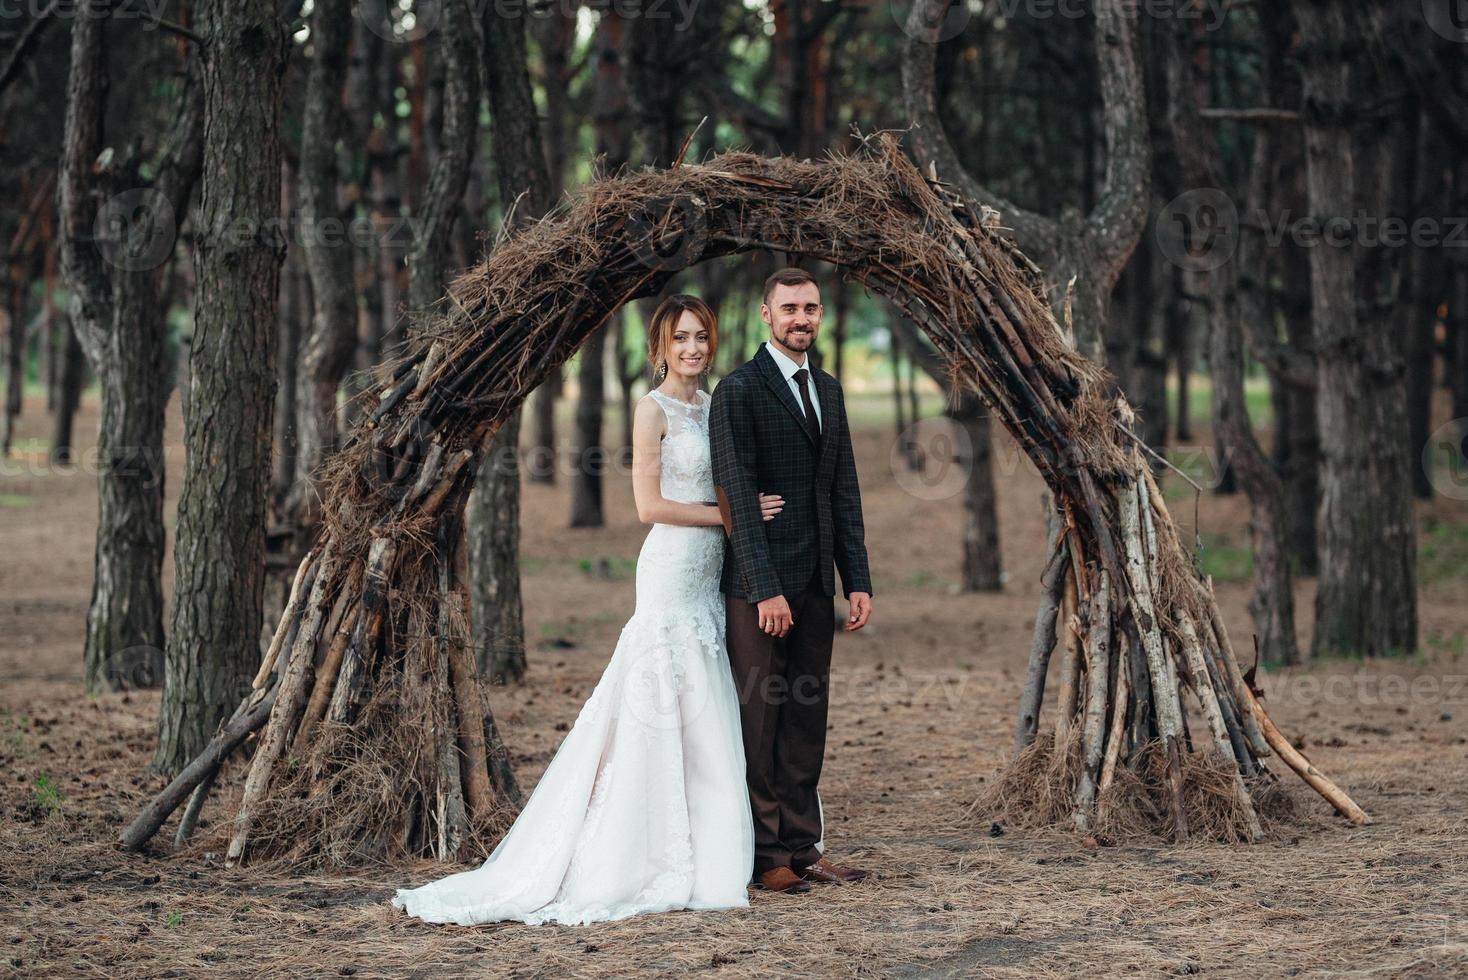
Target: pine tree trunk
1094 248
1458 335
494 560
72 374
589 454
15 346
327 346
981 564
1297 431
213 646
543 443
117 311
611 120
1366 603
493 519
555 35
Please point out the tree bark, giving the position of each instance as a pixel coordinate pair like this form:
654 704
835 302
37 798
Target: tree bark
116 309
526 184
15 347
326 348
611 119
555 35
494 561
1366 603
213 647
69 383
1228 303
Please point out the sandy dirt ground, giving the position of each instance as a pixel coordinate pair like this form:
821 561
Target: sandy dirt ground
921 720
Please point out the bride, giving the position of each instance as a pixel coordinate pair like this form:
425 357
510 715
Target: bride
644 807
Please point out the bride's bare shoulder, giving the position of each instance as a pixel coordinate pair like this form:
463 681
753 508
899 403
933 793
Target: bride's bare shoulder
649 417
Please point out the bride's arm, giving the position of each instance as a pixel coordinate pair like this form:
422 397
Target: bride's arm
648 424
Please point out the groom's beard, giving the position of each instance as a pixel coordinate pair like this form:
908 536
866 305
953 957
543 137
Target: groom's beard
798 341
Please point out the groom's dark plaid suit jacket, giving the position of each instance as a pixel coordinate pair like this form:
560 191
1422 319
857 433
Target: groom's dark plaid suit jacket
760 444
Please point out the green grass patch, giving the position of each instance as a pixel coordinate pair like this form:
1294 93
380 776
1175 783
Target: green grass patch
576 625
46 796
608 568
1454 645
1200 399
1225 560
1442 553
16 500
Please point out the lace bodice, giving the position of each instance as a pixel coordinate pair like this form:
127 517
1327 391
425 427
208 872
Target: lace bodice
687 469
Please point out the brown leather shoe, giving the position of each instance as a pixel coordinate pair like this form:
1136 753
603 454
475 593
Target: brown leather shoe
825 871
783 880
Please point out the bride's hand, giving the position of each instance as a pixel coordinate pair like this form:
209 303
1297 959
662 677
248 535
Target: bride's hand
770 504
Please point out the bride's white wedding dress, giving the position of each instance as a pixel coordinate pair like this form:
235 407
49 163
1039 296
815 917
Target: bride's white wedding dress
644 806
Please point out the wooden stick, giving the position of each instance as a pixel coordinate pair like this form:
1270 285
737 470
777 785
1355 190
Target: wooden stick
1296 760
1043 643
1248 765
1252 730
451 817
300 586
453 638
1118 719
190 818
283 716
1070 658
326 678
497 755
1203 688
1098 671
446 481
257 706
349 681
1164 684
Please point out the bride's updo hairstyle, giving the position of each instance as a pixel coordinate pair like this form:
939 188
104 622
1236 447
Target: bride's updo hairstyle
665 322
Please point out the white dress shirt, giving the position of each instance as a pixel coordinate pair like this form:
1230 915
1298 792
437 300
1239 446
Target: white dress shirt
788 368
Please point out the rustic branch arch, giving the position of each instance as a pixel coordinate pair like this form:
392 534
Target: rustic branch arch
373 737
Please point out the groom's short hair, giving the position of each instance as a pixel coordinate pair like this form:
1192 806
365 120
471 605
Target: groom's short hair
788 276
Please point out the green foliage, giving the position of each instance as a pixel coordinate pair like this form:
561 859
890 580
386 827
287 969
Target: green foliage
46 796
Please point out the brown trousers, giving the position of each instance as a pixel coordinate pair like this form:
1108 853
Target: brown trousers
783 684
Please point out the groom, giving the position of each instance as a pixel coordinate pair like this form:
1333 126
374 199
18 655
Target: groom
778 426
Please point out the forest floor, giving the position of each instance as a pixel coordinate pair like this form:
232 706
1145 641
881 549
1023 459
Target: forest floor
921 718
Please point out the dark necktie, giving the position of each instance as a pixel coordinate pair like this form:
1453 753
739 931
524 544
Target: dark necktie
801 377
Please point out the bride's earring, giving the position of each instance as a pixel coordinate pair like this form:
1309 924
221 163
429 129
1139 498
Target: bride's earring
662 371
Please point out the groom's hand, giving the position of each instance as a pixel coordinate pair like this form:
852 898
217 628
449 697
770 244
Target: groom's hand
774 616
861 611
